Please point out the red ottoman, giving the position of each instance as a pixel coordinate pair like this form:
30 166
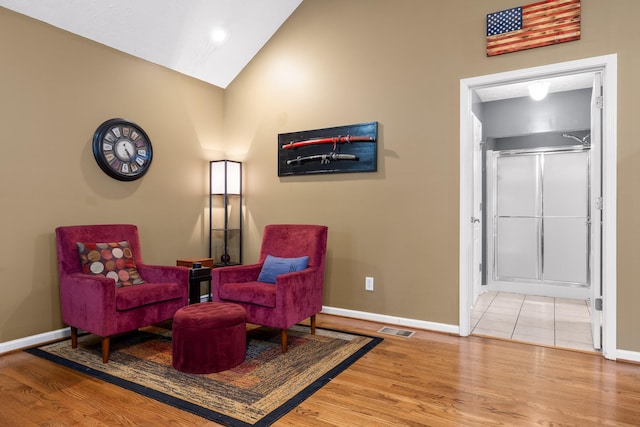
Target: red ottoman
209 337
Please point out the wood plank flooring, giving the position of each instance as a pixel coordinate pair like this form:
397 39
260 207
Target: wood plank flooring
430 379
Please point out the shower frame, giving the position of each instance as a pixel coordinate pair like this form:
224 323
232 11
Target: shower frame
540 216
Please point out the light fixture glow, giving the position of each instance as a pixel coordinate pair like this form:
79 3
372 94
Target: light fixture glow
538 90
218 35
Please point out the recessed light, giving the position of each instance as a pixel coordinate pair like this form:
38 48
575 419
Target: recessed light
219 35
538 90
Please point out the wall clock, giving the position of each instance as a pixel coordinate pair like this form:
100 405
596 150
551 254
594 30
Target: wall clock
122 149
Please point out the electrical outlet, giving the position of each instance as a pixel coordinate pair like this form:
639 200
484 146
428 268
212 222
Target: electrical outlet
368 284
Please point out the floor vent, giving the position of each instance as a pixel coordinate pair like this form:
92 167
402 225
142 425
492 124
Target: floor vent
397 332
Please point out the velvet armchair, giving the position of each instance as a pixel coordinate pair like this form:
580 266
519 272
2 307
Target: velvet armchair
128 297
294 296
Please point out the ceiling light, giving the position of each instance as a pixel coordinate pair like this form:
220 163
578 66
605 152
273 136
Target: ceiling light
218 35
538 90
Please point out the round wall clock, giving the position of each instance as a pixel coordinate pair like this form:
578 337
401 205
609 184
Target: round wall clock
122 149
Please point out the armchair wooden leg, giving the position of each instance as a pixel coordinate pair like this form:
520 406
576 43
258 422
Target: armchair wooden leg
105 349
283 339
74 337
313 324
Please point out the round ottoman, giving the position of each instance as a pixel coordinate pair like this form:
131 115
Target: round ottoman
209 337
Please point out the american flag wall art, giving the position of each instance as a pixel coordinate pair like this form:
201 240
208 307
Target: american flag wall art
538 24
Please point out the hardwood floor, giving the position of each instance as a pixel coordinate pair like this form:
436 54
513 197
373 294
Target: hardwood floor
430 379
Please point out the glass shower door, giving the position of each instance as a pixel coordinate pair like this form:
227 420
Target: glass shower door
566 217
541 222
517 222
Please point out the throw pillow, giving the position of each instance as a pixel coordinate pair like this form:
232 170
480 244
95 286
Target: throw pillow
114 260
274 266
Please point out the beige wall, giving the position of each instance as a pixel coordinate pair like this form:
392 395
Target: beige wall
55 90
337 62
334 62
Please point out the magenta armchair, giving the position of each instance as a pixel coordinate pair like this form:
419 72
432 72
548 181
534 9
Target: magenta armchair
295 296
94 304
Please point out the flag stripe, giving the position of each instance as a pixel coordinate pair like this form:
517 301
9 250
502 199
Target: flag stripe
566 30
543 23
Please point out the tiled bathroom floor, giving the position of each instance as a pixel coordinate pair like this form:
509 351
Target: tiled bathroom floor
558 322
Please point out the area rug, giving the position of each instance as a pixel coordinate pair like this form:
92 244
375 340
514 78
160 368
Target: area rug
267 385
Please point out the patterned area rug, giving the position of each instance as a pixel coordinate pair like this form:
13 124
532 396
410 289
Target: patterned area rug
267 385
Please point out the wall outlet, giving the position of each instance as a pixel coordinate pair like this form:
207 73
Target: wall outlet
368 284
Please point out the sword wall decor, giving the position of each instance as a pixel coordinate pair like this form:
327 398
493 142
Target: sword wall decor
324 158
332 140
354 149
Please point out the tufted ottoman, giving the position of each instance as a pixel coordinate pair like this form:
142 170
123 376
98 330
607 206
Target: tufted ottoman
209 337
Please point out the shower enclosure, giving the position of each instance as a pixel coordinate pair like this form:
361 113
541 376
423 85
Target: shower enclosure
540 219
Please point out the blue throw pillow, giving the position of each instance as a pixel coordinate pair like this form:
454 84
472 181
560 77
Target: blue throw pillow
274 266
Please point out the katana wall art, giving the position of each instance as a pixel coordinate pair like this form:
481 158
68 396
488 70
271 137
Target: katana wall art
351 148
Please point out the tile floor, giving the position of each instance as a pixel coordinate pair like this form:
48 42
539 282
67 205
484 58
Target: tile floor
552 321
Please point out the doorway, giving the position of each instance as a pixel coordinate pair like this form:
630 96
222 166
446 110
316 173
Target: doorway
602 270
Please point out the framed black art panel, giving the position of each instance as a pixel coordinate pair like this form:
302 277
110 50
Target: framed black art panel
351 148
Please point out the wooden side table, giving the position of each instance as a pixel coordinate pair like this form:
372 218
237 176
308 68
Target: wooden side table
197 275
188 262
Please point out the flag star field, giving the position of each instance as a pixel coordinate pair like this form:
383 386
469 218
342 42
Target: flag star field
504 21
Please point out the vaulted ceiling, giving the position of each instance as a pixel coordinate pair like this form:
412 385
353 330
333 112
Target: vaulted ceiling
210 40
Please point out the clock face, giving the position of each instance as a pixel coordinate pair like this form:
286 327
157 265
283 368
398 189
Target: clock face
122 149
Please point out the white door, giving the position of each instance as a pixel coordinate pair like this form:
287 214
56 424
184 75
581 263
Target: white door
596 211
477 208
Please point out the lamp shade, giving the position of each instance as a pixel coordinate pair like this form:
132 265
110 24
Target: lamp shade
226 177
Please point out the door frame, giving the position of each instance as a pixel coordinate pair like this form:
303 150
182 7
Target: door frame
478 219
606 64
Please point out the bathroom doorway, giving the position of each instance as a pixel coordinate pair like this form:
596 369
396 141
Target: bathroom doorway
592 263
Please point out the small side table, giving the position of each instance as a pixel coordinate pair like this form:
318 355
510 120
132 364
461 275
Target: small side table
197 275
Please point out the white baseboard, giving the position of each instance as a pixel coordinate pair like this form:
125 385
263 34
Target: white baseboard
631 356
34 340
393 320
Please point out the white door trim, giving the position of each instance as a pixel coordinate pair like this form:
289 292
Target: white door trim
608 64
